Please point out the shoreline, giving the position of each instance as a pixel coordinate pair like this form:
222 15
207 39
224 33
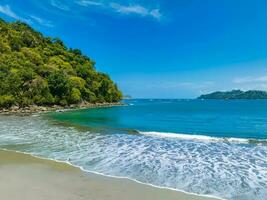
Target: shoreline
135 189
33 109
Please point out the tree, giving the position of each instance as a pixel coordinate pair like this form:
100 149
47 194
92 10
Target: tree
6 101
75 96
41 70
59 84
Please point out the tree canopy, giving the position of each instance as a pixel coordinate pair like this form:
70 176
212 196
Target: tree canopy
38 70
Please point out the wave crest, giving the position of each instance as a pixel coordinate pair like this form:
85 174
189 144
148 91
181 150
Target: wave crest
201 137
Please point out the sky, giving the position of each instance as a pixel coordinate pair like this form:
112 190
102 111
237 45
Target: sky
160 48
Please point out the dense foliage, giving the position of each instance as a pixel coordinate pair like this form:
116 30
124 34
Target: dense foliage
41 70
236 94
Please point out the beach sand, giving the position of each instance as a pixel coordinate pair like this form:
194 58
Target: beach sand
24 177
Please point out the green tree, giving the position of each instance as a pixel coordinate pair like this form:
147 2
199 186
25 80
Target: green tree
6 101
75 96
41 70
59 84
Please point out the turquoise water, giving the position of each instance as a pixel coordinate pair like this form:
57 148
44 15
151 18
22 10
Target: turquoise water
209 147
215 118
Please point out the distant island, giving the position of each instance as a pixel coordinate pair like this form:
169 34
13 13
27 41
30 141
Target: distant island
127 97
236 94
41 71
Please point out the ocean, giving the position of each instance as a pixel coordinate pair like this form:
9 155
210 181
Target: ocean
206 147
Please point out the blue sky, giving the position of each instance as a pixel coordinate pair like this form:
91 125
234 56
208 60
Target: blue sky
160 48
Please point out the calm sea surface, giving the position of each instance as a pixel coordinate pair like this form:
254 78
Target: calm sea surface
210 147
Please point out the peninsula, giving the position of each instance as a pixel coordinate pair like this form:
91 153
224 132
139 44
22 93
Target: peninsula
38 71
236 94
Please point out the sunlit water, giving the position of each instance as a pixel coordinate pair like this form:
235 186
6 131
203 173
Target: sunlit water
214 148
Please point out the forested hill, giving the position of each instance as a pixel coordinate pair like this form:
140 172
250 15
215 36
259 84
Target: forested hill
236 94
38 70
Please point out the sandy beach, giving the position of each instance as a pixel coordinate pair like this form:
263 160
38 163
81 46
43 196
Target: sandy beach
26 177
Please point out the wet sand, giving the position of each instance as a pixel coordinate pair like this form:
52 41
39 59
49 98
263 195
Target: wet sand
26 177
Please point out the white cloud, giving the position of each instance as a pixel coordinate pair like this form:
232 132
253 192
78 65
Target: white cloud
250 79
108 7
182 85
60 5
257 86
7 11
42 21
136 9
261 87
89 3
195 85
156 13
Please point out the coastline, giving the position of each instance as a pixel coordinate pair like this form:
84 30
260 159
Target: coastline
55 108
37 179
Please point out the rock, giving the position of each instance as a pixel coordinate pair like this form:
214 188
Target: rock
14 108
43 109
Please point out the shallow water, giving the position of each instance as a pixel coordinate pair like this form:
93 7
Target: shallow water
205 147
215 118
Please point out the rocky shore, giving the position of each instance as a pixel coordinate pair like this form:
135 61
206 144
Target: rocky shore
41 109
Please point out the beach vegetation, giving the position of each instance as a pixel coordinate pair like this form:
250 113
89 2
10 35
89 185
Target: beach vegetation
39 70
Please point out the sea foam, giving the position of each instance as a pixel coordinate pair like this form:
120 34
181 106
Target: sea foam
191 165
200 137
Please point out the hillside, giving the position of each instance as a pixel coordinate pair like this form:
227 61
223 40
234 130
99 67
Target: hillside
38 70
236 94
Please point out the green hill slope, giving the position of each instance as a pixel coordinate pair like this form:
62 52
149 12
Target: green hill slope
38 70
236 94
